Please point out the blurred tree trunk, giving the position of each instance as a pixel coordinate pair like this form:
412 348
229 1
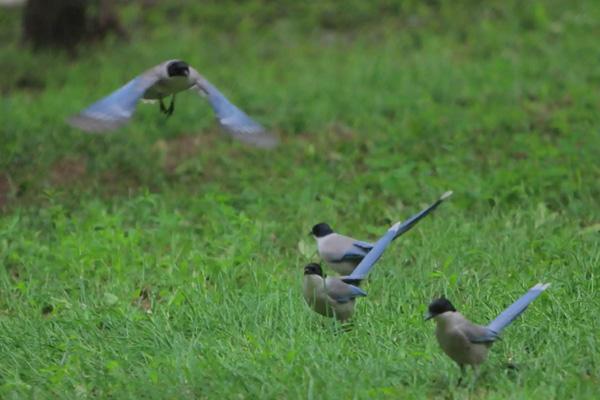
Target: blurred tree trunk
68 23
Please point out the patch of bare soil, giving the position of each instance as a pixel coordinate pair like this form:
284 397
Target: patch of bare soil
183 148
68 170
4 189
541 114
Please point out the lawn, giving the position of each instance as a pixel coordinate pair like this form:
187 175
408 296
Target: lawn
166 260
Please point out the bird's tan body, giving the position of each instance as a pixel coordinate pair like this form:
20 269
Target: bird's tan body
452 332
330 248
167 87
315 294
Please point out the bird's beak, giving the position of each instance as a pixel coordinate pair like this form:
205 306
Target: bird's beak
309 233
428 316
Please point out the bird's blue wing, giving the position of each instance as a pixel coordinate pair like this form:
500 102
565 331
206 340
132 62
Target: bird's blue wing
363 245
342 292
412 221
355 253
233 120
516 308
114 110
356 291
352 255
482 335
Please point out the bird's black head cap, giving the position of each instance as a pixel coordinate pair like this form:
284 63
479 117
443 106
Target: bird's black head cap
313 269
322 229
440 306
178 68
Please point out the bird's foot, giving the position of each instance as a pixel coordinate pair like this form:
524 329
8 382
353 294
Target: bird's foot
163 109
511 366
171 107
168 111
462 375
347 326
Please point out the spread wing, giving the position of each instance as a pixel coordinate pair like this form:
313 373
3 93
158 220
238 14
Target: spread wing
234 121
116 109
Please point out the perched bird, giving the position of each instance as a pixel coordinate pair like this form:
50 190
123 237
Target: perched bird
157 83
343 253
467 343
335 296
329 296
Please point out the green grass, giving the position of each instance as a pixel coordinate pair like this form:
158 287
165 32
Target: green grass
165 261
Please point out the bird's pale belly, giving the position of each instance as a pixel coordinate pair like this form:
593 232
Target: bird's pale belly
343 267
461 350
344 311
314 294
167 87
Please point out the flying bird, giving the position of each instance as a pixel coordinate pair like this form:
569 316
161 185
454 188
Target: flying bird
335 296
343 253
158 83
467 343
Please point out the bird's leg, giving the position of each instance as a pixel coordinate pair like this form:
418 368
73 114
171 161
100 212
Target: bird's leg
171 106
476 373
511 365
163 109
462 374
347 326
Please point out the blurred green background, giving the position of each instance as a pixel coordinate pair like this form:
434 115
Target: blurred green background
165 260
